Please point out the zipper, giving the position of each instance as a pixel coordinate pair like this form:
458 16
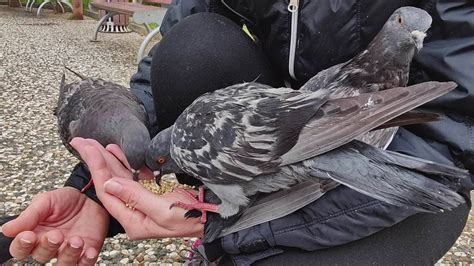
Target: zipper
293 9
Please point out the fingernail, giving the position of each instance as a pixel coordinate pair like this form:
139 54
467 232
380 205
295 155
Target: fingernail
112 187
25 243
52 242
91 255
74 245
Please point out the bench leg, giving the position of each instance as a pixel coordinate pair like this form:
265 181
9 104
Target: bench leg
31 5
66 3
60 5
104 18
145 43
148 29
41 6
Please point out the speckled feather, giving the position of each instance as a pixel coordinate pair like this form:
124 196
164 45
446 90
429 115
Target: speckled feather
241 131
383 65
251 138
216 141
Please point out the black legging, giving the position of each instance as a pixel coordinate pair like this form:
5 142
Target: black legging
206 52
203 54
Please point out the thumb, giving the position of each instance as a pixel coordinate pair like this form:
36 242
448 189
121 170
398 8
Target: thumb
133 196
29 218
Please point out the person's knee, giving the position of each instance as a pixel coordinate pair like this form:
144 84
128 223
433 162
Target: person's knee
200 54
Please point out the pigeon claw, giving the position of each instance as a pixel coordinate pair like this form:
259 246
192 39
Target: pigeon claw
196 204
135 175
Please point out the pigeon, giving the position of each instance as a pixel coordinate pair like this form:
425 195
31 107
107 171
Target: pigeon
106 112
384 64
251 138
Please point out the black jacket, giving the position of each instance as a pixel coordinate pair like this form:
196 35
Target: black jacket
330 32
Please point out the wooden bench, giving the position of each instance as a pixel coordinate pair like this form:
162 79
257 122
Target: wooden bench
142 14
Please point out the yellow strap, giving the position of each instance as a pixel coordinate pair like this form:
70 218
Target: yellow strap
246 30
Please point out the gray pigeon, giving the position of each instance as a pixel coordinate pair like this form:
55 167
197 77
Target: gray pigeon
250 138
383 65
106 112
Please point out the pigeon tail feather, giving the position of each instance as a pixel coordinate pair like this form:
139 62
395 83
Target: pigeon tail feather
75 73
394 178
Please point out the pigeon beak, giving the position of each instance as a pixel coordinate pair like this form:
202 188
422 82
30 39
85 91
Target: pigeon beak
135 174
418 37
158 174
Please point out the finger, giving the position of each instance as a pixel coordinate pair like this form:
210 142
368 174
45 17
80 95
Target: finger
48 246
118 153
121 209
22 245
161 221
143 203
95 162
89 257
100 174
71 253
29 218
115 166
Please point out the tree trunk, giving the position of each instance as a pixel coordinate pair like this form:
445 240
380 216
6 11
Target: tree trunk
14 3
77 10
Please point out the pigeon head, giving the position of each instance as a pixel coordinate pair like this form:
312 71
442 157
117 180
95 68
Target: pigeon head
158 155
407 27
134 142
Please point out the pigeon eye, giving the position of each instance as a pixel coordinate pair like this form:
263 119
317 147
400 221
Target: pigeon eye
161 160
399 19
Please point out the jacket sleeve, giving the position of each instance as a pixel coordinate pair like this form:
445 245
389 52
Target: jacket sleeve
180 9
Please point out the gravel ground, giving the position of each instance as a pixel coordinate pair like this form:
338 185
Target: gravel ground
32 159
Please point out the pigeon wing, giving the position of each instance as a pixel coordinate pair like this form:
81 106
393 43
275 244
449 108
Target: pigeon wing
82 104
240 132
341 120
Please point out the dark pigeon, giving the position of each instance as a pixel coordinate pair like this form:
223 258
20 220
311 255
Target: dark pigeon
251 138
106 112
383 65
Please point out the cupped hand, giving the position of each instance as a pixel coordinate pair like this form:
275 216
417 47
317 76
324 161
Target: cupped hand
62 224
141 213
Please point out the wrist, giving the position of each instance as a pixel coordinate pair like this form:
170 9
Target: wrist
79 178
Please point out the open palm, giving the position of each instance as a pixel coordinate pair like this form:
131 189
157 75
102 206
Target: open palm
60 215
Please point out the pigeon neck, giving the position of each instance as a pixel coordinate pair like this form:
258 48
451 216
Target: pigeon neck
134 140
384 54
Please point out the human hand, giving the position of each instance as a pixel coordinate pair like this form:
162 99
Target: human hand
141 213
62 223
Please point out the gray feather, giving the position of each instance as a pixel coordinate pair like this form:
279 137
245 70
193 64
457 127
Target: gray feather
396 179
383 65
279 204
342 120
106 112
